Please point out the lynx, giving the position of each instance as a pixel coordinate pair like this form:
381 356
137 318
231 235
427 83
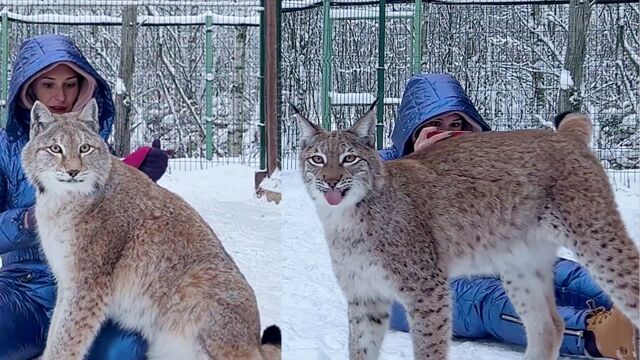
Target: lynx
497 203
122 247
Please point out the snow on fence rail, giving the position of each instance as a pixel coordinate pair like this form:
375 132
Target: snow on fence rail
364 99
216 3
143 20
349 14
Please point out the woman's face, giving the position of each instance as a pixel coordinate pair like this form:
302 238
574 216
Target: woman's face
58 88
449 122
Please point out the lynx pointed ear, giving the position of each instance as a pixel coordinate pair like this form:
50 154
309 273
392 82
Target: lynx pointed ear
89 115
41 117
307 129
365 127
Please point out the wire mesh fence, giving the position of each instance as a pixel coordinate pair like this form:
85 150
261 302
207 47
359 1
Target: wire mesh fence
511 57
197 87
167 92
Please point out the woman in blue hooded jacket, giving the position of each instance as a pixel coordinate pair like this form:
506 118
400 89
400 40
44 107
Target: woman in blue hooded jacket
481 308
49 68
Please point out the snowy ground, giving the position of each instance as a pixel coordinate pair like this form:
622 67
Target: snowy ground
282 252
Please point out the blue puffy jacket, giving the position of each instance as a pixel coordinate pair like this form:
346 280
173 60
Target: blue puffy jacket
427 96
27 290
17 195
481 308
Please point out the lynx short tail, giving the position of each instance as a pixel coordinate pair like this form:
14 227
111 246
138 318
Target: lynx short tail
574 125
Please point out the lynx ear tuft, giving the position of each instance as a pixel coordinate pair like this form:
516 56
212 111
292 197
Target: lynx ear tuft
41 117
365 127
307 129
89 115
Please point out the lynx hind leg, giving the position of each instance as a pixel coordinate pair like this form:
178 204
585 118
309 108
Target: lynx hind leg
596 234
231 331
531 292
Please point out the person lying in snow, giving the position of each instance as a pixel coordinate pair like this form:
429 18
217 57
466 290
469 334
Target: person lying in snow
51 69
481 308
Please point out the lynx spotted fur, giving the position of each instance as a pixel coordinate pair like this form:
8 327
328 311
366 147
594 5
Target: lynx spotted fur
497 203
122 247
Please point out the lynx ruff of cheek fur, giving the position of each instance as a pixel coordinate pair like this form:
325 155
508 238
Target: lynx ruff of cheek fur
483 203
124 248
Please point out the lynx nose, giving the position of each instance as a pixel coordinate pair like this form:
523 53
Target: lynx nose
332 182
73 173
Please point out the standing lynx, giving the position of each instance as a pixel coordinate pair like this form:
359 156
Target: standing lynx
486 203
124 248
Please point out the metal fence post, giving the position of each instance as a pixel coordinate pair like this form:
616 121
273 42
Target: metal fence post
208 60
381 45
326 64
417 38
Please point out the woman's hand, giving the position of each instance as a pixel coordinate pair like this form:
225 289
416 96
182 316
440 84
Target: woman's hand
424 141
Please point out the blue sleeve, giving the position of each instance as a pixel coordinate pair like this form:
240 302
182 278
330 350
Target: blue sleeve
12 233
387 154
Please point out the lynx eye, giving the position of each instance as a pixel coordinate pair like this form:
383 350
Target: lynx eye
85 148
350 159
55 149
316 160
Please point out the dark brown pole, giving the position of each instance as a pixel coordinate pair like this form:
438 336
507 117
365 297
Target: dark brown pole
271 85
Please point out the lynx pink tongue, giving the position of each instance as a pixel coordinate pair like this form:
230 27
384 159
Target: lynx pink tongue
333 197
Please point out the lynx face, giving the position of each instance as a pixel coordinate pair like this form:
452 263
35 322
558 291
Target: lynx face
338 168
65 153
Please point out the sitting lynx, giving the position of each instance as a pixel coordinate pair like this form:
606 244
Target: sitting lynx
124 248
496 202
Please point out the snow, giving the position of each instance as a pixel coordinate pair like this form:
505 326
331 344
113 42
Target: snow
358 99
272 183
282 252
219 3
566 82
142 19
120 88
344 14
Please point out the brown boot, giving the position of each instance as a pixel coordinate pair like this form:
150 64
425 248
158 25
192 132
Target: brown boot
614 335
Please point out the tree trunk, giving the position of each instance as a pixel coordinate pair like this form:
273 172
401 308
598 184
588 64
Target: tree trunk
539 102
236 130
124 84
570 98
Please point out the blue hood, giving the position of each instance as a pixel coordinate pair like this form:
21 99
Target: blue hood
38 53
427 96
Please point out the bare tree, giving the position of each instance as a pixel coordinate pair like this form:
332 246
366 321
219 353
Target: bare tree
570 96
125 81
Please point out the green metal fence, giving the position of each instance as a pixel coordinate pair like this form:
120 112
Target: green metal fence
199 76
196 82
508 55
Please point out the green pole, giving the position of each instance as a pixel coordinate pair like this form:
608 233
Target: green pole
417 37
380 105
326 64
208 90
263 114
4 47
279 85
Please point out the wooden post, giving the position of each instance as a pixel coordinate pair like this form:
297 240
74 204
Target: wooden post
122 136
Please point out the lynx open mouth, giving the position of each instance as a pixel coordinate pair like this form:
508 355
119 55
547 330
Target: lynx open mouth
72 181
335 196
